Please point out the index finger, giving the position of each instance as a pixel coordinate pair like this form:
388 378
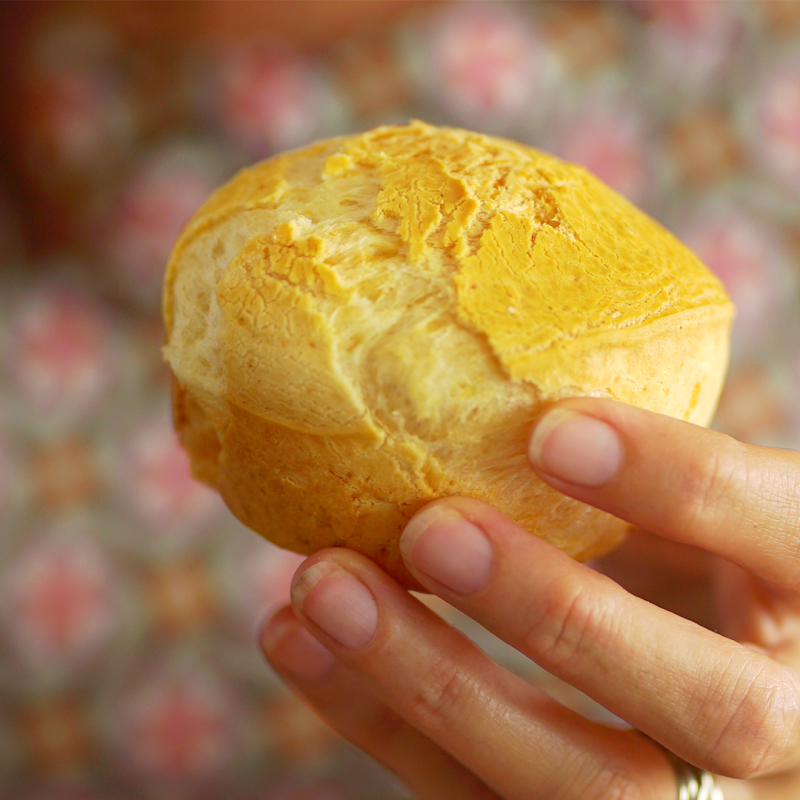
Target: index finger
677 480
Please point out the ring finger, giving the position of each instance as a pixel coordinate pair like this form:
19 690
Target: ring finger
518 741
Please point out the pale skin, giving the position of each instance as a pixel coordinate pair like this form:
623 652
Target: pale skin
689 632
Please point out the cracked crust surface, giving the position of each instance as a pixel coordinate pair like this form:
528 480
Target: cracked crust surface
361 326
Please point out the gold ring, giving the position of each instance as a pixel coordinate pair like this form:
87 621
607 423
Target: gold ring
693 783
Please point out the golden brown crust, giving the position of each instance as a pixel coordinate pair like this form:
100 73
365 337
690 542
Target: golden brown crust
197 435
373 322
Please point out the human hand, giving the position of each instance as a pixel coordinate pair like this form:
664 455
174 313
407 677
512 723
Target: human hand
395 679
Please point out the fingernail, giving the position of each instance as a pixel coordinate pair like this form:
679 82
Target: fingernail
575 448
293 650
440 543
338 603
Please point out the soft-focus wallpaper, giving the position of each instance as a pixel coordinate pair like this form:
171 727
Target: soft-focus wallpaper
129 597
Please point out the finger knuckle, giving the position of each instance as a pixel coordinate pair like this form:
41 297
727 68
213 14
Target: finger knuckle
572 616
442 699
758 709
708 489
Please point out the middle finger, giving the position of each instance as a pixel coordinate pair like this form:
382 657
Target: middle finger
714 702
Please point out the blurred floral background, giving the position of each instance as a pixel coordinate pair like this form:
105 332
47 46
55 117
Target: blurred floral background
129 597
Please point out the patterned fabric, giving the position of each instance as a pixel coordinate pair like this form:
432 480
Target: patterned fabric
129 597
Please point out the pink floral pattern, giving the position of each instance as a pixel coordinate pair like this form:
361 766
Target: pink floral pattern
58 353
164 191
746 254
778 123
272 99
129 596
155 481
690 45
483 61
59 600
610 142
178 727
